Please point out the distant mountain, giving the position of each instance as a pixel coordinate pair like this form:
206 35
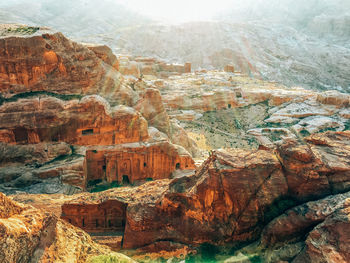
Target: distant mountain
297 42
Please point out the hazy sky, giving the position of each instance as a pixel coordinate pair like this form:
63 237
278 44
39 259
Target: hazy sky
179 10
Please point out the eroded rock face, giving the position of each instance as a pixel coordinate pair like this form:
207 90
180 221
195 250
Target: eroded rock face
128 163
106 211
318 168
52 63
316 231
235 193
329 241
90 121
35 153
225 201
151 107
30 235
106 54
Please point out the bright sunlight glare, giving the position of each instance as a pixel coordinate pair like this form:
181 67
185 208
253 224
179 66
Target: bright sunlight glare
178 10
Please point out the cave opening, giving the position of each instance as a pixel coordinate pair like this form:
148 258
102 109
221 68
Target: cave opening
87 131
125 179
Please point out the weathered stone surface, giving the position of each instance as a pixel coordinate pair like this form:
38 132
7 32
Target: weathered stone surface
330 240
236 192
30 235
106 211
180 137
316 124
137 161
318 168
333 97
52 63
90 121
294 223
151 107
224 201
106 54
32 153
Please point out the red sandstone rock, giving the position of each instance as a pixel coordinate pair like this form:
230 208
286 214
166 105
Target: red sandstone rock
224 201
334 97
106 211
90 121
106 54
318 168
151 107
330 240
236 192
52 63
30 235
135 162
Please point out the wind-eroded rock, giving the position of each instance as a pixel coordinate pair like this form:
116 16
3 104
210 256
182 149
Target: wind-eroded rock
151 107
90 121
53 63
33 153
235 193
225 201
318 168
30 235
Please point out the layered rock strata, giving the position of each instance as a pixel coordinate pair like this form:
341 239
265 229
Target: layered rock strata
49 62
90 121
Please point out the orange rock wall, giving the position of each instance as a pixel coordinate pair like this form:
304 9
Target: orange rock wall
99 217
136 162
85 122
48 62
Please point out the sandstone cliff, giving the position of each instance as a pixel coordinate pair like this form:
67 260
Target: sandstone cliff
49 62
29 235
236 193
89 121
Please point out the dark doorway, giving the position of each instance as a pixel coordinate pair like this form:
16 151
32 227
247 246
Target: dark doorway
87 131
229 106
125 179
177 166
21 134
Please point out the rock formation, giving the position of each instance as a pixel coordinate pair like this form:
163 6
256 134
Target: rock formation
30 235
128 163
90 121
237 192
49 62
151 107
75 118
141 66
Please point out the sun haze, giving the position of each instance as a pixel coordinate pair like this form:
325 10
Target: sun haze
178 11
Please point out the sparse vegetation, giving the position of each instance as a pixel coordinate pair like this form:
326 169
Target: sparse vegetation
32 94
103 186
26 30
